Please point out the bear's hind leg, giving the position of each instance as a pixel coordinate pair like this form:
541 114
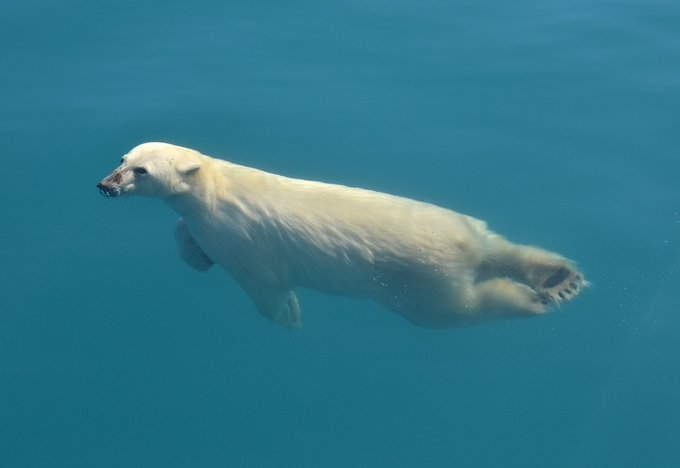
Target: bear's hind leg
504 298
560 283
550 275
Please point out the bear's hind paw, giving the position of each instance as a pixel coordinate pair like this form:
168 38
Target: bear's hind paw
563 285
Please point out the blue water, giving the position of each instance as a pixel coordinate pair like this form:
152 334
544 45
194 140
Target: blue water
555 121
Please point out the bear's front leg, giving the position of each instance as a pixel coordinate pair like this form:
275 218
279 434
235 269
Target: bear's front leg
279 305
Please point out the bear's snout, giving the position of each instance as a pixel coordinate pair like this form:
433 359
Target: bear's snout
110 186
106 190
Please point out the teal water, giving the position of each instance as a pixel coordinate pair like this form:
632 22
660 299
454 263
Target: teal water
555 121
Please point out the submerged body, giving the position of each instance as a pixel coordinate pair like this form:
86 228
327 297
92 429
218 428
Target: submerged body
433 266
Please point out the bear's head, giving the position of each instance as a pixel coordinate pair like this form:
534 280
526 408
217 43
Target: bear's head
158 170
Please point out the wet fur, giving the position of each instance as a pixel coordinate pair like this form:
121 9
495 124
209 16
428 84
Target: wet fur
433 266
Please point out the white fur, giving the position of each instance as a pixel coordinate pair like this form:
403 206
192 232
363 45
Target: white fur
436 267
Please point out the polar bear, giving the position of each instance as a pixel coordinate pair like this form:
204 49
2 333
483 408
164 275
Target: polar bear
432 266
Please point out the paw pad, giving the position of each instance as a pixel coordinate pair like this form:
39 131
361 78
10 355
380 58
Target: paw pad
562 285
559 276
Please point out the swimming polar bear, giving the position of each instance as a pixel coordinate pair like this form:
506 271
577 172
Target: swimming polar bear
435 267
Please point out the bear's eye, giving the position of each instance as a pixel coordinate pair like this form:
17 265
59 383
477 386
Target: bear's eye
140 170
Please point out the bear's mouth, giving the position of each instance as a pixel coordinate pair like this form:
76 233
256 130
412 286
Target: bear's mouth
109 191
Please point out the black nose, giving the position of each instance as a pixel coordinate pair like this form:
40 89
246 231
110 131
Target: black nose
104 189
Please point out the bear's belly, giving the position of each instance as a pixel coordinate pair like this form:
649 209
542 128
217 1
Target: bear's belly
378 261
378 274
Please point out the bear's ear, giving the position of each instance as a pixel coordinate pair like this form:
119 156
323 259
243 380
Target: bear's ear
189 169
